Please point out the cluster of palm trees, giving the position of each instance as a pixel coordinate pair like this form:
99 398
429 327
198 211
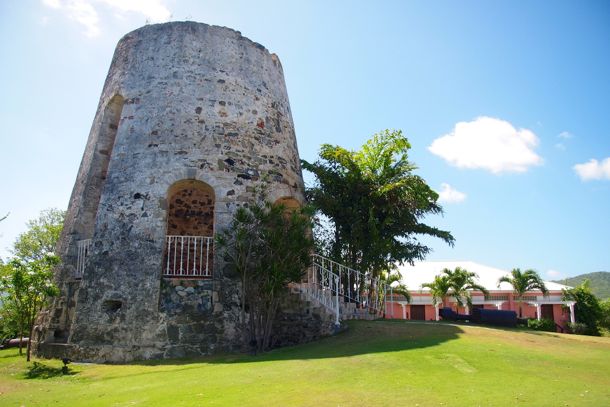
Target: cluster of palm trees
459 283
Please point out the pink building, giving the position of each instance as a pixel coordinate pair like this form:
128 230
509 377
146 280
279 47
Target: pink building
501 297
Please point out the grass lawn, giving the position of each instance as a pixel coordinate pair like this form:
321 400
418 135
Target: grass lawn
378 363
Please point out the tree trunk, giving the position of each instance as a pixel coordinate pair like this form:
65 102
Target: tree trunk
269 324
258 328
372 295
242 316
29 347
520 310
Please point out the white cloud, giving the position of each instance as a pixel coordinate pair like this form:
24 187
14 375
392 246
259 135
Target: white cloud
448 194
85 12
153 10
52 3
554 274
564 136
593 169
488 143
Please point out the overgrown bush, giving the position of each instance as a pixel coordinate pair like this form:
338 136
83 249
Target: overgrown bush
541 325
269 246
587 309
604 321
577 328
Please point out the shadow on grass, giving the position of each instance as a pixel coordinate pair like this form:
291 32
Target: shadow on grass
519 329
361 337
41 371
7 354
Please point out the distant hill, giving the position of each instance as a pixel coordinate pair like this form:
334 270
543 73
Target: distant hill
600 282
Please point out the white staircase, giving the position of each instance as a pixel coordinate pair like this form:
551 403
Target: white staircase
343 291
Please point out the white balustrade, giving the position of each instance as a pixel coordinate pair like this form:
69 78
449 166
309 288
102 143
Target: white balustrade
421 300
331 283
189 256
83 248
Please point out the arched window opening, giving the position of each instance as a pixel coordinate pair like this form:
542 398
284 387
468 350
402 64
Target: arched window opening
189 249
110 127
100 160
290 204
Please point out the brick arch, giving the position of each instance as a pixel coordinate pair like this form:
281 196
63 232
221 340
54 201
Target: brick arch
290 203
190 208
190 230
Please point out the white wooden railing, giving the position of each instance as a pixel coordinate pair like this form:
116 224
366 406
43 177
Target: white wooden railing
83 247
189 256
323 287
332 284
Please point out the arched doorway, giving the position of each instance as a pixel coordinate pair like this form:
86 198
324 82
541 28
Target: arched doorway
189 246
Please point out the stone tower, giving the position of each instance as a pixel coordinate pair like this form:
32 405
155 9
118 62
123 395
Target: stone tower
191 119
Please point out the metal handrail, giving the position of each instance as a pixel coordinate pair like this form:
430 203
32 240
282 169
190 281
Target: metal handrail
324 289
353 284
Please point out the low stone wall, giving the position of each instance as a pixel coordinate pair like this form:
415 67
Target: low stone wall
196 320
300 321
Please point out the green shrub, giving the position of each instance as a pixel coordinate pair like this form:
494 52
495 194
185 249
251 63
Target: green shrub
578 328
587 309
542 325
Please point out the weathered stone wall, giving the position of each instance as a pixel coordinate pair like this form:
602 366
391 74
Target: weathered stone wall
300 321
200 103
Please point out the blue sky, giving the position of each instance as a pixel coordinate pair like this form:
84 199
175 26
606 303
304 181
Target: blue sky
505 105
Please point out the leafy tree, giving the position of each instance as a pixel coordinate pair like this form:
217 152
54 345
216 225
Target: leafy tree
240 243
8 321
26 281
41 237
9 326
523 282
374 204
604 321
461 282
269 247
587 309
28 286
439 289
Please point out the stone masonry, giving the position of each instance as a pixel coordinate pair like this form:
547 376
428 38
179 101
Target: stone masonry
191 119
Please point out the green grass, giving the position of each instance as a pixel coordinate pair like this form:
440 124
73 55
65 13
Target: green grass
372 364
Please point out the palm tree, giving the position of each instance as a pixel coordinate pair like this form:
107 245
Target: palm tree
388 280
439 289
462 282
400 288
523 282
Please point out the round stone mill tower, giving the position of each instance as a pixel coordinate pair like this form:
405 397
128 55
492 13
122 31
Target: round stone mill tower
192 118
